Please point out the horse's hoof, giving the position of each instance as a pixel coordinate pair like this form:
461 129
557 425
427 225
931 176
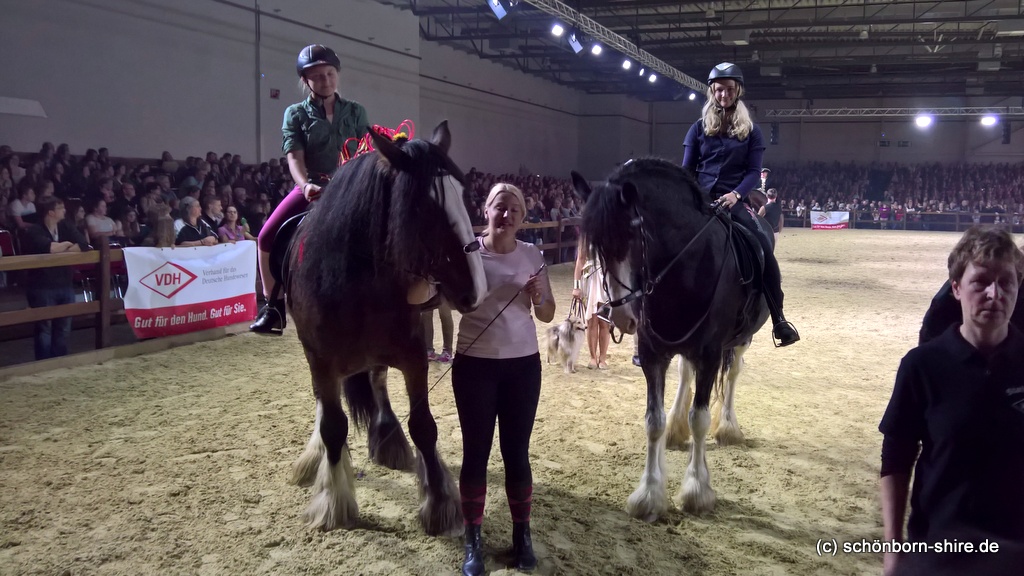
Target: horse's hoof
696 498
729 437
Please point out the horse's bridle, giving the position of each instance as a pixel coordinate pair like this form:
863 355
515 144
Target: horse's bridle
649 284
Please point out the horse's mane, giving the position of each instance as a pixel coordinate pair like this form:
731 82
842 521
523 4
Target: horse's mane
371 217
664 188
652 167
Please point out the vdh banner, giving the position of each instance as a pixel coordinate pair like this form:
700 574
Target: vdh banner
178 290
829 220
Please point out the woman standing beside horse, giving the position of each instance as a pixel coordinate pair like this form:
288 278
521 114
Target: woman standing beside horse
496 375
724 150
315 131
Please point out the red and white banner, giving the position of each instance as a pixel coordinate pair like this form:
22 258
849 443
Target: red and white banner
829 220
178 290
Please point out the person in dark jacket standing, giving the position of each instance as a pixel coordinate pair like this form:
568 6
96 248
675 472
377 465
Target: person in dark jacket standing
52 286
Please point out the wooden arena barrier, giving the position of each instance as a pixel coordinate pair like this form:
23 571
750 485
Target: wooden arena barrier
103 307
559 244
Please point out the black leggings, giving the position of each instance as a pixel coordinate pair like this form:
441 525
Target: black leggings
504 390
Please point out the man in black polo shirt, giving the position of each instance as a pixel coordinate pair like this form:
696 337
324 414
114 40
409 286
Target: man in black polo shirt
772 212
961 397
52 286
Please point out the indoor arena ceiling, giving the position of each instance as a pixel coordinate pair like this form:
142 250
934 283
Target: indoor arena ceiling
799 49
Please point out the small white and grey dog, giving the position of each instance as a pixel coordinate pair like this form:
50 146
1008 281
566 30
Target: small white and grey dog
565 341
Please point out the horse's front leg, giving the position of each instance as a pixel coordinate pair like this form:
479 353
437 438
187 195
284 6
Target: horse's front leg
388 446
726 427
334 502
649 501
696 495
440 506
678 424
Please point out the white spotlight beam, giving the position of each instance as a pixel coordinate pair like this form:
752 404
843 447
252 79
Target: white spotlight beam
612 40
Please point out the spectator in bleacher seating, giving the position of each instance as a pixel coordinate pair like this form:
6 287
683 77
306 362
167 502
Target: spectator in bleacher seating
209 187
167 163
198 176
75 215
22 208
100 225
51 286
255 214
63 155
14 165
6 222
231 228
104 189
44 187
80 181
193 230
213 211
6 184
126 202
5 151
161 228
131 228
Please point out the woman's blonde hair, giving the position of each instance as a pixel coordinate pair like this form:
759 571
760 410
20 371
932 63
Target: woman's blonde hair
713 117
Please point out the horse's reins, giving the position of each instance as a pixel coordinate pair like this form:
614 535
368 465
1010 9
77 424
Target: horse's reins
650 284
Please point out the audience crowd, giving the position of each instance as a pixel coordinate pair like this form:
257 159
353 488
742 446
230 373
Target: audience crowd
141 203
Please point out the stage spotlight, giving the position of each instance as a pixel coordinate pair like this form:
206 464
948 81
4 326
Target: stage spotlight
642 70
595 49
557 29
693 96
497 8
576 46
652 78
626 64
989 121
923 121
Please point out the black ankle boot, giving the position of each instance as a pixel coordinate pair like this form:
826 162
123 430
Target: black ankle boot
522 547
271 319
473 565
785 332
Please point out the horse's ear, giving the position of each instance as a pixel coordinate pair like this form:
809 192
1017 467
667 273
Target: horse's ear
386 148
581 186
629 194
442 137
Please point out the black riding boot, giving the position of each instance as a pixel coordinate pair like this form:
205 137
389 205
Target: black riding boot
271 319
473 565
522 547
782 330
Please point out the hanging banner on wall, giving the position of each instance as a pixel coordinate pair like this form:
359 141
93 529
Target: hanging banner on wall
178 290
829 220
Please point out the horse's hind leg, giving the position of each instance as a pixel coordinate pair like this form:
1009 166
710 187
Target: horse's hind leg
440 506
649 501
388 446
678 427
333 503
696 495
726 427
304 469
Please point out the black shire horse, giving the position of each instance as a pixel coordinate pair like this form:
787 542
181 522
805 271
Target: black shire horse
671 274
387 219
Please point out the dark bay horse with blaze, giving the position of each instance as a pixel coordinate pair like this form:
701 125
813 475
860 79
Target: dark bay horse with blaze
672 276
386 219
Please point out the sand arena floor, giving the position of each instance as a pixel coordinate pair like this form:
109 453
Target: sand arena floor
177 462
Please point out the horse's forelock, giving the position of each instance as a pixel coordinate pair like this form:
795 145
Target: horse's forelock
606 222
411 221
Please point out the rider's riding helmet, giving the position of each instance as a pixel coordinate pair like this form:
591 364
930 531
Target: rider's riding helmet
726 71
316 55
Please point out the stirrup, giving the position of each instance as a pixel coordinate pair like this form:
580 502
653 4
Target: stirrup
785 333
270 321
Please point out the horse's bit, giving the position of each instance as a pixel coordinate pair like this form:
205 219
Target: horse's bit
650 284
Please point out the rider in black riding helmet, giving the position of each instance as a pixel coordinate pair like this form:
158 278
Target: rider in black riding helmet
315 130
724 150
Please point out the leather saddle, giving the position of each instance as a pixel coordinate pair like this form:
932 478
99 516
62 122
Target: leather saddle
749 255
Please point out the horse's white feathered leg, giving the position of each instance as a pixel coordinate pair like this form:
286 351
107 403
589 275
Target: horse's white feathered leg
650 501
334 496
304 469
696 495
678 427
728 431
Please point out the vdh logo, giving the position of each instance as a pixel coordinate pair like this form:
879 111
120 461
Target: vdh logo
823 217
168 279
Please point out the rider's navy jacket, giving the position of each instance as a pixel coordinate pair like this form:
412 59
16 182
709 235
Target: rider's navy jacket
723 163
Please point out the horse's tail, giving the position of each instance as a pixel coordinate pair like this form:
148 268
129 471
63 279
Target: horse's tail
362 404
728 357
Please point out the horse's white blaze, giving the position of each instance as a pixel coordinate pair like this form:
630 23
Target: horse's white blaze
459 219
649 501
304 469
622 316
678 424
696 495
334 495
